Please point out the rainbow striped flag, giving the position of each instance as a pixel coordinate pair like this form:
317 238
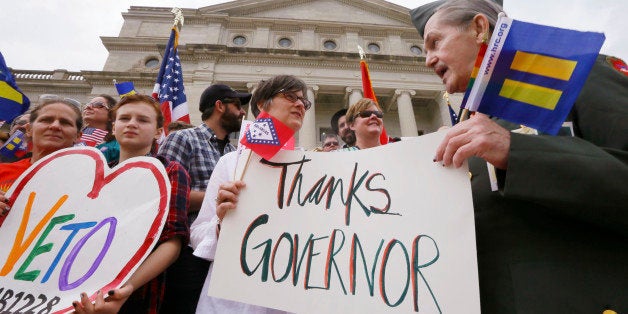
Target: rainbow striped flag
474 74
532 74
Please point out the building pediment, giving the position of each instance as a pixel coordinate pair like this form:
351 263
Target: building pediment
346 11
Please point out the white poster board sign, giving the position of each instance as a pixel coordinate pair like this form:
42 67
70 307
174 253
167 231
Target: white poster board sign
372 231
77 226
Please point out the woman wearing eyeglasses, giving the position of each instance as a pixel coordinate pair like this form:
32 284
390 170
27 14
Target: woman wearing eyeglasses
98 123
283 97
366 121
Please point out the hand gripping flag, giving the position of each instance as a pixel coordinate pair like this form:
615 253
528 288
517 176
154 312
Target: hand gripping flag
12 101
367 87
266 135
125 88
168 88
532 74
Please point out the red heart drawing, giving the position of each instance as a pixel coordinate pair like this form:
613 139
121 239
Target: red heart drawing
78 226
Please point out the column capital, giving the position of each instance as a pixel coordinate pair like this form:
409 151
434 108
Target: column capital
351 89
313 89
398 92
251 86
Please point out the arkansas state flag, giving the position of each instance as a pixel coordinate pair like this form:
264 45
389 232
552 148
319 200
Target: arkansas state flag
266 136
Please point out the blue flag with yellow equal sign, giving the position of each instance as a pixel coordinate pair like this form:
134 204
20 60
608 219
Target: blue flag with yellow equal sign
12 101
532 74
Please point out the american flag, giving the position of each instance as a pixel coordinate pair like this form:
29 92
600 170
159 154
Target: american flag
169 89
93 136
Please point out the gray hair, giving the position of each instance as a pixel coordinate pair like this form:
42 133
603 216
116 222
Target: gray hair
462 12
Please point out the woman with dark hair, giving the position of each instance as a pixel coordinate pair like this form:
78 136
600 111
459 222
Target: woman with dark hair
283 97
98 119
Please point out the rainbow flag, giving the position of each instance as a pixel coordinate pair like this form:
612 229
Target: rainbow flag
532 74
474 74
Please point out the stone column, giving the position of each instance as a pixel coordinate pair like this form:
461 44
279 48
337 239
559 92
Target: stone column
308 132
443 110
407 121
355 94
249 113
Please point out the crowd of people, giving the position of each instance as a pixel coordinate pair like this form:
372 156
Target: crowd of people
553 236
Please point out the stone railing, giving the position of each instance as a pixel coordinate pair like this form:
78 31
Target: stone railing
48 75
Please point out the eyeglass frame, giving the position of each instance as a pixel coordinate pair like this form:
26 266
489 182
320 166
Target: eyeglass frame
96 105
336 143
365 114
292 97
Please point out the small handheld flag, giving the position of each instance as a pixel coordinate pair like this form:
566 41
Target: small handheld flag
12 101
15 146
532 74
367 87
266 135
125 88
169 90
93 136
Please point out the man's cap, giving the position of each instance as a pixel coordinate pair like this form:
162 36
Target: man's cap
217 92
423 13
336 117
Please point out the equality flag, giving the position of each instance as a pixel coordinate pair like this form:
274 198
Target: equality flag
367 87
532 74
168 88
125 88
15 146
266 135
93 136
12 101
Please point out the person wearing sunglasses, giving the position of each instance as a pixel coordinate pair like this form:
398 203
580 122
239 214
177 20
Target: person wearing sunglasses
98 123
330 143
366 121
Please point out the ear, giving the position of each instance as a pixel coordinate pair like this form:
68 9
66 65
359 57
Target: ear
481 27
260 105
158 133
78 137
351 126
29 130
113 127
220 106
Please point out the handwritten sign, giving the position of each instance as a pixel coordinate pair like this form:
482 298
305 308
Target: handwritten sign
77 226
378 230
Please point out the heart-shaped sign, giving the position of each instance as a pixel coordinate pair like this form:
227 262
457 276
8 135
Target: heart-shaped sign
78 226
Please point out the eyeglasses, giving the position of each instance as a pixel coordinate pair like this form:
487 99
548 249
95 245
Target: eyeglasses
292 97
330 144
97 105
367 113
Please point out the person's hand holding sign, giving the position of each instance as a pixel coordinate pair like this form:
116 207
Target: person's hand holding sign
112 304
4 204
227 199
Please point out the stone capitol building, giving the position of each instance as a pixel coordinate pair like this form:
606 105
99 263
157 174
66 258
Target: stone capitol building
241 42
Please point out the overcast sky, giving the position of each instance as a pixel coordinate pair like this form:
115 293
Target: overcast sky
65 34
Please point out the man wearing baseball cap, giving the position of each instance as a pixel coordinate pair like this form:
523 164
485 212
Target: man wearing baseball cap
198 150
